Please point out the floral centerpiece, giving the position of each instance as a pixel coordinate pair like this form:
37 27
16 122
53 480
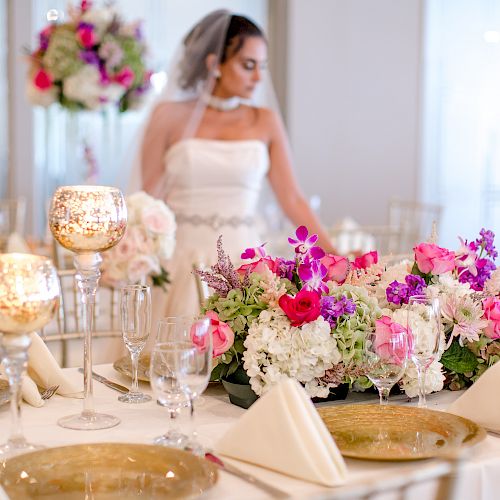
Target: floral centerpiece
89 61
147 245
307 318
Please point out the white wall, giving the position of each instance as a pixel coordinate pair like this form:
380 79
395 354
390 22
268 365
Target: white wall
353 111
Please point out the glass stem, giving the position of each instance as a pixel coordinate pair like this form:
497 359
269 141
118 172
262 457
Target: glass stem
422 372
384 395
15 362
87 278
135 369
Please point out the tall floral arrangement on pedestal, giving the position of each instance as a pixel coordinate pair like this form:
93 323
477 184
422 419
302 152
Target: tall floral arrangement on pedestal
90 61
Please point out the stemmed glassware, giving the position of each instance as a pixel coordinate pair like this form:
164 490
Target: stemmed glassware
181 364
29 295
424 324
386 358
135 314
88 220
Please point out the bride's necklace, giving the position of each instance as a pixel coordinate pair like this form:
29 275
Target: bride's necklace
222 104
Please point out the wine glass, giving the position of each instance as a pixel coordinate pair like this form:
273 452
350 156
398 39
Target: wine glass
424 324
186 344
386 358
29 296
88 220
135 314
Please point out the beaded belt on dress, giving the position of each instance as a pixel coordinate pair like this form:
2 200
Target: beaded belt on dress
214 221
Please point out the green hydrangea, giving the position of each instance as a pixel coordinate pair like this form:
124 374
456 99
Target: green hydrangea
62 55
132 57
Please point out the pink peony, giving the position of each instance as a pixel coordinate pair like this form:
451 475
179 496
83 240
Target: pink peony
338 267
365 261
491 307
222 335
303 308
392 341
42 80
125 77
259 266
433 259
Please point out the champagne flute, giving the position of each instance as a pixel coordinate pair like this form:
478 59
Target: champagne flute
29 295
424 324
386 357
135 314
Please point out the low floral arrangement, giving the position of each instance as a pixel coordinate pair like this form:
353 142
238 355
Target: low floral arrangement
89 61
307 318
146 246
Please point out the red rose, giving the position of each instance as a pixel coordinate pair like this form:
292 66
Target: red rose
303 308
42 80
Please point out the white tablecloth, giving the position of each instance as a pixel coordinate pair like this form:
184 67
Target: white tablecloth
141 423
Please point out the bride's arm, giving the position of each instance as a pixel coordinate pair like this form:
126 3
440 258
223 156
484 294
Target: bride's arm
154 146
284 184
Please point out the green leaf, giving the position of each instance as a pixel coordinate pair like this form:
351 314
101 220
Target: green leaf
238 346
459 359
232 367
427 277
217 372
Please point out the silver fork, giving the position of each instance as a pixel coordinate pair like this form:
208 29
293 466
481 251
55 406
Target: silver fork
49 392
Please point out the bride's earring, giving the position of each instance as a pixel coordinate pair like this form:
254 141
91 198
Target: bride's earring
217 74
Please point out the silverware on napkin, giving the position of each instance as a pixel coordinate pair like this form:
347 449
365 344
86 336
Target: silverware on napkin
231 469
107 382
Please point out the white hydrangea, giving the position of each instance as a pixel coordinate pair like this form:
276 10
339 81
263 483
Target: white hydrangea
434 380
448 285
41 97
275 350
100 18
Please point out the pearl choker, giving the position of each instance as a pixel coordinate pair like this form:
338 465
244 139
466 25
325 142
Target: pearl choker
222 104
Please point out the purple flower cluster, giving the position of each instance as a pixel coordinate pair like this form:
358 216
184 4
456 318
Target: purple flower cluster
399 293
484 268
332 309
486 243
285 268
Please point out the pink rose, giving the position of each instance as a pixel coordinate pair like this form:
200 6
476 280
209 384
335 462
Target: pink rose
222 335
433 259
125 77
303 308
365 261
86 36
491 307
338 267
259 266
158 219
392 341
42 80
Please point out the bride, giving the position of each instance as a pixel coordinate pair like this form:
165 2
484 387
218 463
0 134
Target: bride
208 147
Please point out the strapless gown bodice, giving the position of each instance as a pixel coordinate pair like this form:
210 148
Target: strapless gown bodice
213 187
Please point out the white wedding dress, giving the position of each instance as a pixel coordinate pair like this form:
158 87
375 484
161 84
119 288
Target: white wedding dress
213 188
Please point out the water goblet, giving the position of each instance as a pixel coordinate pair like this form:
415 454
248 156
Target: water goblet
424 324
135 314
386 357
88 220
29 295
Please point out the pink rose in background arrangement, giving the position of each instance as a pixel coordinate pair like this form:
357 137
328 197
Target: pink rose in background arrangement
141 266
157 218
42 80
303 308
259 266
433 259
86 35
337 267
491 307
125 77
222 335
365 261
392 340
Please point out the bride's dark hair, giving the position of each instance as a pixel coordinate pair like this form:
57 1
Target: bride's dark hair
207 37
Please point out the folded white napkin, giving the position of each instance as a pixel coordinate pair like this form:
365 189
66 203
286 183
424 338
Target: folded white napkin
43 371
282 431
16 243
478 403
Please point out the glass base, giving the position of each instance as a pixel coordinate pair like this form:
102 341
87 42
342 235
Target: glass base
88 421
13 448
172 439
134 397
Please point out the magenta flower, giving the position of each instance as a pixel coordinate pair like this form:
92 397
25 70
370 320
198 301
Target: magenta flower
252 253
125 77
304 244
312 272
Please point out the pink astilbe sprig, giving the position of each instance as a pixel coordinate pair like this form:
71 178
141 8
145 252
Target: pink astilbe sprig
222 277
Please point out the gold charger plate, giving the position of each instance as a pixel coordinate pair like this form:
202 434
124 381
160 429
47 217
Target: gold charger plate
124 366
374 432
107 470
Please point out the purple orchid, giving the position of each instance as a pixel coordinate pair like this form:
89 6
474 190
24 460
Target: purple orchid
332 308
312 272
285 268
305 244
252 253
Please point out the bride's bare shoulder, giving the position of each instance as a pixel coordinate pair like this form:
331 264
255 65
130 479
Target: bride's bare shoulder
168 110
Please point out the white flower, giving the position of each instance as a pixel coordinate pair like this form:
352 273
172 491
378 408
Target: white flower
276 350
158 218
434 379
100 18
492 285
447 284
41 97
141 266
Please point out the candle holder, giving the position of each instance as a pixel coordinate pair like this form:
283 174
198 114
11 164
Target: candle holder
88 220
29 295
